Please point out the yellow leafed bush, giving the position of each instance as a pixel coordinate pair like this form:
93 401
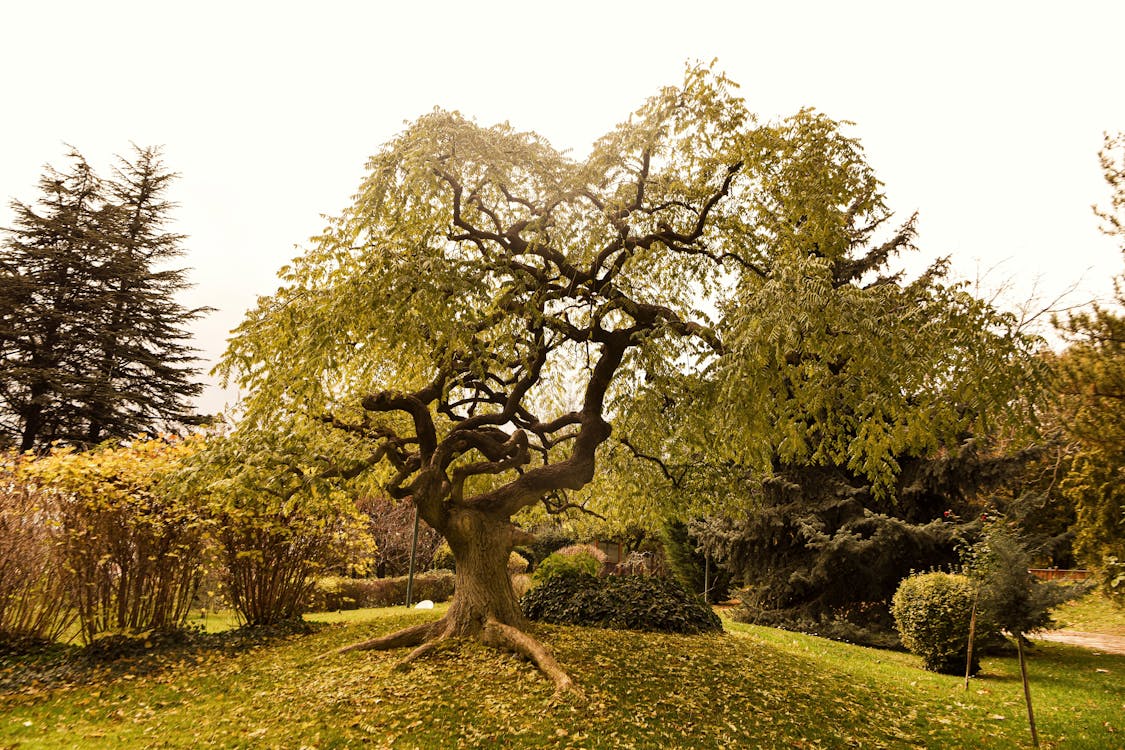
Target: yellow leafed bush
131 552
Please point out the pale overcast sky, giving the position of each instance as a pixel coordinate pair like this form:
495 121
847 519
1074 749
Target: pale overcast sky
986 117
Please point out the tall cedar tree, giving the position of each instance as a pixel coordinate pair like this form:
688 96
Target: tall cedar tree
92 342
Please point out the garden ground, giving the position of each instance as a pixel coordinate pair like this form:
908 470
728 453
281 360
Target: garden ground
750 687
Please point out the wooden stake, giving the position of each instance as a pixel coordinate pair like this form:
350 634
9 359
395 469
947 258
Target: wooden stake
972 634
1027 691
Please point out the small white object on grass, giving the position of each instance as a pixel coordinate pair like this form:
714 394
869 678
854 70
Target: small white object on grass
424 604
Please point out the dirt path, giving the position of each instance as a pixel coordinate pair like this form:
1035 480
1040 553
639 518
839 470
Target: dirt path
1110 644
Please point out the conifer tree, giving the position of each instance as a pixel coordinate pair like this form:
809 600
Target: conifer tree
92 343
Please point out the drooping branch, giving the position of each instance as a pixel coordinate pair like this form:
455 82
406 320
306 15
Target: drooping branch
665 469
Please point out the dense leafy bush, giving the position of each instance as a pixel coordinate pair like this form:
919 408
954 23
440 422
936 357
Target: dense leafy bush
271 556
334 593
932 612
517 563
133 550
33 580
443 558
568 564
625 602
279 523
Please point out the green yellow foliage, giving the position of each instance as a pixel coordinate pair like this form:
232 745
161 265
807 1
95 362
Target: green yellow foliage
1092 374
131 550
566 565
278 524
34 586
932 612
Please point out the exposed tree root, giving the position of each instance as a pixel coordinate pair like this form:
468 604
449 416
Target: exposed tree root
426 637
499 635
419 652
412 636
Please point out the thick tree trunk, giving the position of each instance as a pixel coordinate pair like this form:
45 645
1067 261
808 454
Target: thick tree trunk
484 606
481 546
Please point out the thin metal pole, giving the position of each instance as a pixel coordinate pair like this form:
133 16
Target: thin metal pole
413 557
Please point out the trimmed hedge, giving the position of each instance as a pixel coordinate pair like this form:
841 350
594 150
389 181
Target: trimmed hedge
932 613
620 602
333 593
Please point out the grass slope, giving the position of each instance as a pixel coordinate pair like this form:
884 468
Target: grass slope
1093 613
752 687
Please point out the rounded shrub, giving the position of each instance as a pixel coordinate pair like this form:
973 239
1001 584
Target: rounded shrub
566 565
620 602
932 612
517 564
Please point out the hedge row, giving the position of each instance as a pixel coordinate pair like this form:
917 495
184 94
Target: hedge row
335 593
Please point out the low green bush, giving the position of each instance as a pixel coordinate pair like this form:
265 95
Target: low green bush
443 558
547 541
932 612
333 593
517 563
580 562
620 602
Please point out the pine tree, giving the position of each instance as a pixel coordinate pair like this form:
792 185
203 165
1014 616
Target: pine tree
92 343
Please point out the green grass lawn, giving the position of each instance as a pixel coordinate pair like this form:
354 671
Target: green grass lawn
750 687
1093 613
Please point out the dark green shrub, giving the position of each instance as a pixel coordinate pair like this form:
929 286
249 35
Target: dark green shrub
1011 596
620 602
333 593
932 613
688 563
865 624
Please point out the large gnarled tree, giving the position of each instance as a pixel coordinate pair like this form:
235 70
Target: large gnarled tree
485 308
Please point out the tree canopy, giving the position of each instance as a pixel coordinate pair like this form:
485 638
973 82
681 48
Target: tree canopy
488 306
1093 385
